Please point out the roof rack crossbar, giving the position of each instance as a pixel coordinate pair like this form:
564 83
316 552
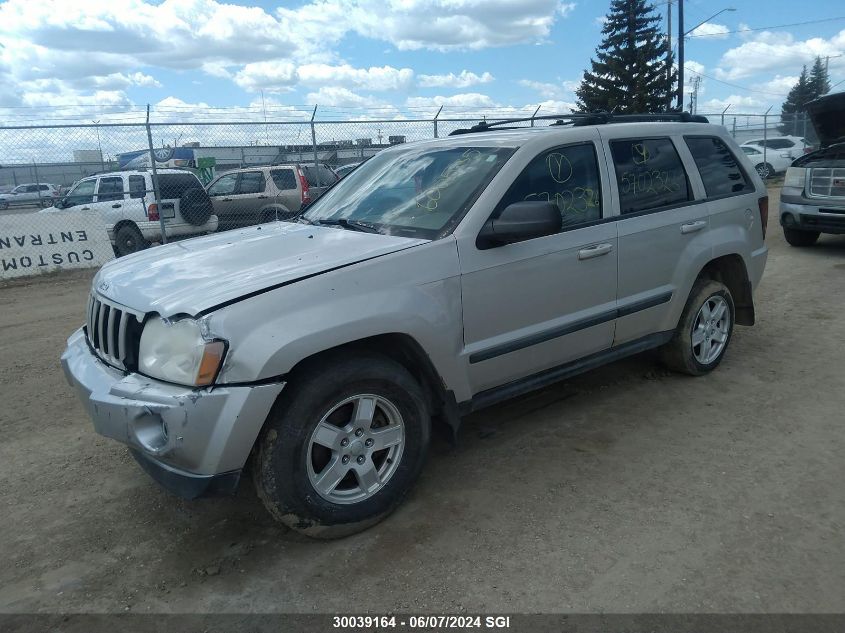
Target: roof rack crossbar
585 118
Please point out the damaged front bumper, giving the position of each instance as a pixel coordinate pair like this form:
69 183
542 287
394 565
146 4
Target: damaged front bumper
192 441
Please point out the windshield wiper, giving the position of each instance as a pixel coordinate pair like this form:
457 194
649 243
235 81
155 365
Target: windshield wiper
353 225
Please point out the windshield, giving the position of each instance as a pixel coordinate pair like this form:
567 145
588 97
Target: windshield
415 192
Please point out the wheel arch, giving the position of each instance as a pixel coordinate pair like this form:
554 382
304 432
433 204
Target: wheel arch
120 224
731 271
405 350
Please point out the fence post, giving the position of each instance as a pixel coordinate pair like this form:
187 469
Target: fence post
733 131
436 116
314 145
804 134
765 135
723 114
156 192
535 114
35 167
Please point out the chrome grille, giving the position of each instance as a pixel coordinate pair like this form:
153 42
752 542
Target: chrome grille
827 182
107 325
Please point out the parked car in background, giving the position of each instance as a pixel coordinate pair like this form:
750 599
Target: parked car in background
812 200
254 195
343 170
126 202
795 146
40 194
439 278
769 163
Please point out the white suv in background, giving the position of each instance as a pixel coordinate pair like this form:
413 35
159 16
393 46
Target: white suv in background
41 194
795 146
126 202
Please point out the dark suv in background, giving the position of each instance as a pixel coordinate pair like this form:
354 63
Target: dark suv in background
812 201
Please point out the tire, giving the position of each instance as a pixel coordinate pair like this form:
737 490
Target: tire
797 237
47 203
682 353
3 205
195 206
293 458
765 170
128 240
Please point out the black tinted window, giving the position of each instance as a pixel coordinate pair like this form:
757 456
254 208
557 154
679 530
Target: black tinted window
283 178
110 189
137 186
780 143
718 167
566 176
175 185
251 182
649 173
320 176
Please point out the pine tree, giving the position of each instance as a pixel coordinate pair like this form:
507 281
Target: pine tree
791 121
629 72
819 79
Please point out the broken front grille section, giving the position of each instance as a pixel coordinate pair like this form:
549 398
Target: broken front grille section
113 332
827 182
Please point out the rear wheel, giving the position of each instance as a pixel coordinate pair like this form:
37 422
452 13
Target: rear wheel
796 237
128 240
343 446
704 330
765 170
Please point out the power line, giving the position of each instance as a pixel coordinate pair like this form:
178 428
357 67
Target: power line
765 28
727 83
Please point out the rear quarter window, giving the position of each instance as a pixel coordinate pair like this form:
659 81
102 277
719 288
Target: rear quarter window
649 173
175 185
719 168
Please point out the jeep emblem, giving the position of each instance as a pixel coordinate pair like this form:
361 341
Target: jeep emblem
104 286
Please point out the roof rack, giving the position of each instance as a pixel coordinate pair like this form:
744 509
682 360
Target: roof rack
583 118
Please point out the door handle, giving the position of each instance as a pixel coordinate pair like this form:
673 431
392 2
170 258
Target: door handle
85 209
226 199
693 227
594 251
116 206
263 197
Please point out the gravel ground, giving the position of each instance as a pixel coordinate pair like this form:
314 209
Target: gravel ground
628 489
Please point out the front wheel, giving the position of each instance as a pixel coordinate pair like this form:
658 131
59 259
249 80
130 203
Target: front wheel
704 330
796 237
765 170
343 445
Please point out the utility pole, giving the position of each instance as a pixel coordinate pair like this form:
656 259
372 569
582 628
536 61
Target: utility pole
681 35
693 101
669 56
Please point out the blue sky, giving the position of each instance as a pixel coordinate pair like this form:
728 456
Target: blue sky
382 57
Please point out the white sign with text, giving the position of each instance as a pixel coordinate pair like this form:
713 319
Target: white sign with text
36 243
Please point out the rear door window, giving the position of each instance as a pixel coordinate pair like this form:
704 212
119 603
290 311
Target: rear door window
283 179
649 173
110 189
719 169
251 182
566 176
137 187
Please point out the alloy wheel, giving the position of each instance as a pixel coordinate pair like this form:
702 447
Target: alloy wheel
711 329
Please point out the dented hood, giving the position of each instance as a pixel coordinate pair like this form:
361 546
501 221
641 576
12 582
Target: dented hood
191 276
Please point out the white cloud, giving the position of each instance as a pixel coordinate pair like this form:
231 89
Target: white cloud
711 30
738 103
269 75
463 100
464 79
546 90
375 78
767 52
339 97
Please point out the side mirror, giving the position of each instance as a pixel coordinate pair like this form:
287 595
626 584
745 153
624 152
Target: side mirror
520 221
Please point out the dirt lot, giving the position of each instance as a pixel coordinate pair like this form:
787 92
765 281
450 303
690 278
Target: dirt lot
625 490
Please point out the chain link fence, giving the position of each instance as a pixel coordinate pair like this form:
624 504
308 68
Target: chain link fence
152 182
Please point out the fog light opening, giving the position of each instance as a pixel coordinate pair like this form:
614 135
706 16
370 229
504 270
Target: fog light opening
151 432
788 220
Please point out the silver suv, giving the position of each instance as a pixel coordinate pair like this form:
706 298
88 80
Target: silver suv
438 278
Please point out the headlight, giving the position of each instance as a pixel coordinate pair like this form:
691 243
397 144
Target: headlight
785 155
795 177
178 352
